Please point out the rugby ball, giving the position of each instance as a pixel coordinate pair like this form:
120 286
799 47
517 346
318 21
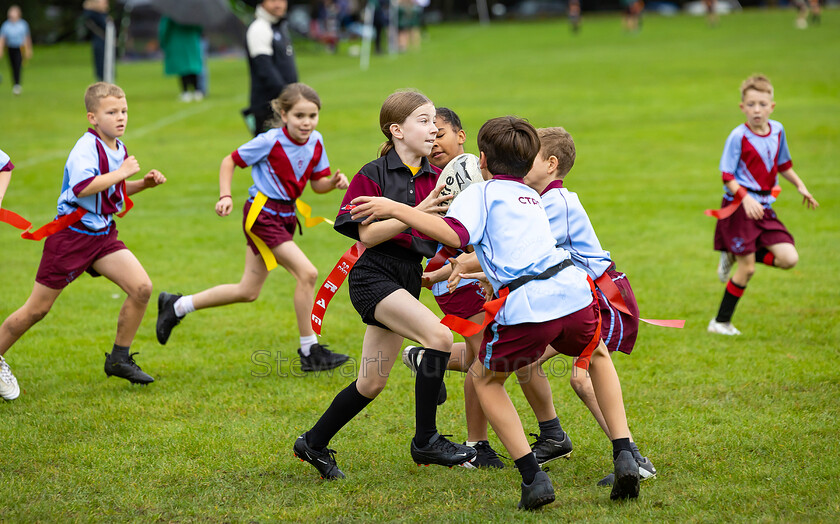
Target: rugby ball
458 174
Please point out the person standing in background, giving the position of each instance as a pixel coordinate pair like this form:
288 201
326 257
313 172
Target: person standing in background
14 34
96 20
181 45
271 59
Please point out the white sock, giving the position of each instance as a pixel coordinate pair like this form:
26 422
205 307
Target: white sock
184 305
471 444
306 344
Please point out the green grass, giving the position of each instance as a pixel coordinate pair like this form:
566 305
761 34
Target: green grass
740 429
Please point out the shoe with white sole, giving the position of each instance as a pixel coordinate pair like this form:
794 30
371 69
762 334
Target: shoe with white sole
9 388
722 328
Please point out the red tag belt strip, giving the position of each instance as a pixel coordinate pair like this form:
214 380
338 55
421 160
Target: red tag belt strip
14 220
610 290
725 212
334 281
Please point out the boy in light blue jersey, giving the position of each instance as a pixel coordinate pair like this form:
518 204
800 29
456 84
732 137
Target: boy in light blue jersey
93 189
754 156
547 300
573 231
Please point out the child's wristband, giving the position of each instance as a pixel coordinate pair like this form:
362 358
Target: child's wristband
225 196
741 193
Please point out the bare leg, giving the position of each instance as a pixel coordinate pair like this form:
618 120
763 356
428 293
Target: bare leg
30 313
582 385
537 390
247 290
380 349
745 269
408 317
608 392
490 387
290 256
123 269
786 255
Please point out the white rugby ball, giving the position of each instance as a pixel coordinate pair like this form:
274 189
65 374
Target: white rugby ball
458 174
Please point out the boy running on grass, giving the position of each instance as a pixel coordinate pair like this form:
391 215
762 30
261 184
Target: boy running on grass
94 188
754 156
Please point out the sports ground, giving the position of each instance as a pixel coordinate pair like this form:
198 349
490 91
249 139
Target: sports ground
740 428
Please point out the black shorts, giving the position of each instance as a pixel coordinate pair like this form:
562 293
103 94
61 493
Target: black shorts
375 276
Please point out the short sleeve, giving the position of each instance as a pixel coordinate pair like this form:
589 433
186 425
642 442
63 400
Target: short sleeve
470 210
252 151
82 166
784 160
731 156
322 168
361 185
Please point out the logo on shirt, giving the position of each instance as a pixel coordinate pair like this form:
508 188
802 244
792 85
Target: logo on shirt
300 164
529 200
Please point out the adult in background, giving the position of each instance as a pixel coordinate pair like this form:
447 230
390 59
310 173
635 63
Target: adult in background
95 16
271 59
181 45
14 34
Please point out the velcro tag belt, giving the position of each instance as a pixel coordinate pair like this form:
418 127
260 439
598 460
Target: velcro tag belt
334 281
467 328
726 211
613 296
14 220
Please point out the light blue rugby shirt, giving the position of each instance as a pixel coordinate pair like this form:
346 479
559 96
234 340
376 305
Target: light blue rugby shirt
14 32
503 219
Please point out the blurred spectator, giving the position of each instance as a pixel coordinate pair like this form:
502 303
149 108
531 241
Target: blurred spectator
574 15
711 12
96 20
325 23
14 34
181 45
271 60
409 19
632 14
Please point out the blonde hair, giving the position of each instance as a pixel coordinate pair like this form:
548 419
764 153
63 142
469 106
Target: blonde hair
290 96
395 110
557 142
758 83
96 92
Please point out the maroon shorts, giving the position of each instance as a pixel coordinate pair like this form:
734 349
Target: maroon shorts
508 348
72 251
464 302
275 224
618 329
741 235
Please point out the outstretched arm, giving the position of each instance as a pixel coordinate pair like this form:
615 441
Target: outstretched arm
326 184
374 208
153 178
791 176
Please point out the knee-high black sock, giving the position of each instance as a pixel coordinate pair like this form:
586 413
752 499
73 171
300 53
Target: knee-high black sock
426 388
764 256
730 300
346 405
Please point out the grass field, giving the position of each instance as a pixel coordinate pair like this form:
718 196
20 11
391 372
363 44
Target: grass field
740 429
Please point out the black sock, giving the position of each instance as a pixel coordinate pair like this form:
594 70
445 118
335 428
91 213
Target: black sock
426 388
730 300
619 445
528 467
346 405
552 429
635 450
120 352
